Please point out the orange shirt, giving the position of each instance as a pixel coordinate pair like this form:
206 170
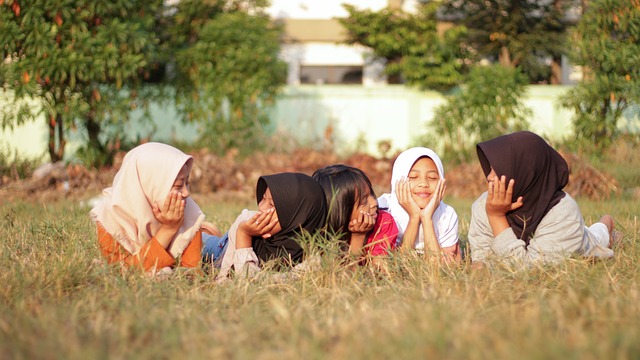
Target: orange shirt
152 255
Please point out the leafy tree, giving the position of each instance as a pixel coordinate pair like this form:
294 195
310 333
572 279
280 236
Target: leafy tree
518 33
73 57
90 63
227 68
607 45
489 104
409 43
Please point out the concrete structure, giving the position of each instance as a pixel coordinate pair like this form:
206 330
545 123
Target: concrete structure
343 116
312 44
358 117
314 47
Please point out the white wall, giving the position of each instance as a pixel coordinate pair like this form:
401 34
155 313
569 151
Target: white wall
389 113
326 54
317 53
392 113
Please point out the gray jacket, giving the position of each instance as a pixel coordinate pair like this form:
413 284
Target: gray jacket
560 234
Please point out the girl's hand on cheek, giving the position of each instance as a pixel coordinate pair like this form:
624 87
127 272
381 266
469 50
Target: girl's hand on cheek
436 197
171 214
499 196
256 225
403 193
272 226
363 224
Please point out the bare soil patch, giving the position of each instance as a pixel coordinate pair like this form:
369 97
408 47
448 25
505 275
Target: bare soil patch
231 176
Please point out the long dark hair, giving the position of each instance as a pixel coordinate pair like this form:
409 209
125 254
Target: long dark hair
345 187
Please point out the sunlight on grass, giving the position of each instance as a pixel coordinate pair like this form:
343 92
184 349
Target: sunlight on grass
58 303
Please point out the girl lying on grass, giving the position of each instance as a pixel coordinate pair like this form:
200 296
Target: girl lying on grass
289 205
146 219
354 215
425 222
525 215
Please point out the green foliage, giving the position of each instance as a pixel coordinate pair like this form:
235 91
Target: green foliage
490 104
89 65
64 54
606 44
518 33
410 44
227 70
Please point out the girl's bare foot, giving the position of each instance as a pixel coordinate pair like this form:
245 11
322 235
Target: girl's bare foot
616 239
614 236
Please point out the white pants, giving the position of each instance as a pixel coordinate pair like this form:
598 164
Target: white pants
597 241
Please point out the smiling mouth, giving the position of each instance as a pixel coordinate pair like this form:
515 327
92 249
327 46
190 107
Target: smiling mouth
425 195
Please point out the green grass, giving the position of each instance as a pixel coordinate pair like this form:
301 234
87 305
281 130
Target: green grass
56 303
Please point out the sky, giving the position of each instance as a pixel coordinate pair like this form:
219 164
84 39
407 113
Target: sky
318 9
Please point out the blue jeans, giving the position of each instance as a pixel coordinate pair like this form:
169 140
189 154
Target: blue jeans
213 248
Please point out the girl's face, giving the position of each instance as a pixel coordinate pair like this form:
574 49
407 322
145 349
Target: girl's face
368 206
267 203
181 184
423 178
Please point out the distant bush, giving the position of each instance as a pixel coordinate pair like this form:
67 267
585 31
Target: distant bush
15 166
490 104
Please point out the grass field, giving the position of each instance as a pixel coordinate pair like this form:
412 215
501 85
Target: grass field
56 303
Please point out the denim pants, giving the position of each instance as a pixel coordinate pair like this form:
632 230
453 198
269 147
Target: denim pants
213 248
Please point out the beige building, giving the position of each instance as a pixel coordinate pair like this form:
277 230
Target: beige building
314 47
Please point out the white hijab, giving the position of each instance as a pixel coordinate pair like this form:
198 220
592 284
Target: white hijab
146 177
445 219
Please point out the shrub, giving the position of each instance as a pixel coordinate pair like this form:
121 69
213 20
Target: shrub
14 166
489 104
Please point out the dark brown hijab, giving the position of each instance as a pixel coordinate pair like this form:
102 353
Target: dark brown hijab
301 207
540 174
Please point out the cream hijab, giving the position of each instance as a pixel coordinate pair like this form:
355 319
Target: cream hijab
146 177
444 218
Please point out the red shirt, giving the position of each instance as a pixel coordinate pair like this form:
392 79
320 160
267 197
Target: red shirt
382 238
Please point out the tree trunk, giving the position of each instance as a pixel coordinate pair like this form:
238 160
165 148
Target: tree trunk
62 143
556 71
555 77
93 130
55 124
101 154
504 57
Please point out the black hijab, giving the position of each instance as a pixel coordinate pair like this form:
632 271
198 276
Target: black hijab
301 207
540 174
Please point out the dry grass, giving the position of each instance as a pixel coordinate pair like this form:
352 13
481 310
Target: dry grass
58 304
